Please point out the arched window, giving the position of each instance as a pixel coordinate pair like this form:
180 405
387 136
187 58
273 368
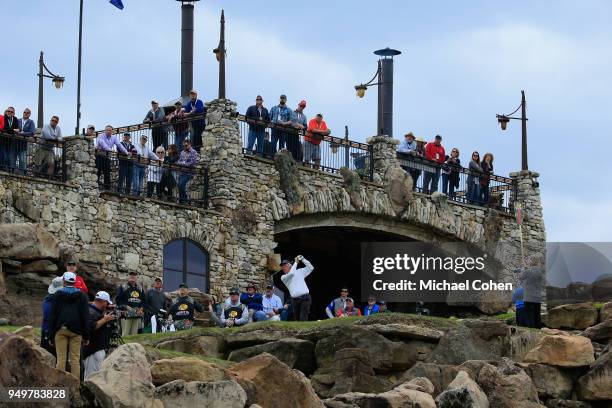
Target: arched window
185 261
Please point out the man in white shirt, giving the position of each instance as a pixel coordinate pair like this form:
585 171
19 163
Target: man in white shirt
293 278
272 304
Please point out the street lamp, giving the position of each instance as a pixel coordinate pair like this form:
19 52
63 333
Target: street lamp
504 119
220 53
58 81
384 73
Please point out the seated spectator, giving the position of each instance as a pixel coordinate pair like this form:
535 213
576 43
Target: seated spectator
349 309
182 309
144 154
234 313
126 165
450 173
338 303
188 158
155 173
254 302
317 129
371 307
104 146
169 175
181 129
45 157
272 305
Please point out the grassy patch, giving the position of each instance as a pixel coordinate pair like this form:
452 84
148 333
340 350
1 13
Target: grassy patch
12 329
598 305
505 316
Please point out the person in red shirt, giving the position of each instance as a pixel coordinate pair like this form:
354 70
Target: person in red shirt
434 152
349 309
71 266
317 129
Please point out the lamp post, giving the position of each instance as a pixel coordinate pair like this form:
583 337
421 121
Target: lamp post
384 73
220 52
503 121
58 81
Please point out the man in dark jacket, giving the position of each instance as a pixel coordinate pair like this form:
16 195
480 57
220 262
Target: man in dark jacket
56 284
156 301
68 324
182 310
95 352
254 301
257 117
131 297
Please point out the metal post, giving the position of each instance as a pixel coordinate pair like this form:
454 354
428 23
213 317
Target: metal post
386 88
186 49
78 114
347 153
524 131
41 118
221 56
379 115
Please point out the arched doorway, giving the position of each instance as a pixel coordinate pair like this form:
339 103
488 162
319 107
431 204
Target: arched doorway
185 261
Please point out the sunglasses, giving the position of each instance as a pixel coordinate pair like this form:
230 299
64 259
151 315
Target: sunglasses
10 111
54 120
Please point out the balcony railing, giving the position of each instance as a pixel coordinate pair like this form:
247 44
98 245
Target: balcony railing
137 177
33 156
335 152
453 181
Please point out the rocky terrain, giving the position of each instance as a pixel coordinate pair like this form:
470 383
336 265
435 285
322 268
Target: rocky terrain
391 360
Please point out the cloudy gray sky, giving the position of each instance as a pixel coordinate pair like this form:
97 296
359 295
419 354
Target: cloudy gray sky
461 63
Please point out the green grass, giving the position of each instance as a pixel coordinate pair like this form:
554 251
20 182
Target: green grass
12 329
598 305
505 316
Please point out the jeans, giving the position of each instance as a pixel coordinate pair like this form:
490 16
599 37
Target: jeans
67 341
430 181
256 135
23 160
159 137
301 307
484 194
139 173
126 172
259 316
280 137
196 136
153 185
474 192
447 185
182 186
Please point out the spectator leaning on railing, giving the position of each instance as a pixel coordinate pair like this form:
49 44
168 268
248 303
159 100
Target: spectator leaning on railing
409 146
280 115
256 113
188 158
105 144
181 129
487 170
157 115
450 173
7 145
293 139
195 106
317 129
27 128
126 165
154 174
169 176
434 152
45 157
473 179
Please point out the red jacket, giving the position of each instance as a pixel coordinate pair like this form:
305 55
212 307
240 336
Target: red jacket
1 122
80 284
355 312
435 152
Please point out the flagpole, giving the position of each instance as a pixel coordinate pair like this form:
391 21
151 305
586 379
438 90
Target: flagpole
78 114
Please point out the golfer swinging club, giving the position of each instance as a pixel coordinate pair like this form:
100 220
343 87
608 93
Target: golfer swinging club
293 278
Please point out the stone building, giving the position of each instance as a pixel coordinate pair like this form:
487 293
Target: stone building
258 211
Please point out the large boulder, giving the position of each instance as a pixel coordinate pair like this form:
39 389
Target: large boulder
398 331
488 329
601 332
462 392
440 375
124 380
550 381
605 313
272 384
408 395
296 353
559 403
596 384
188 369
562 350
210 346
215 394
508 386
576 316
27 242
22 366
462 343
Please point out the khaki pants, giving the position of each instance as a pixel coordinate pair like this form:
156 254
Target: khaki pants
130 326
66 340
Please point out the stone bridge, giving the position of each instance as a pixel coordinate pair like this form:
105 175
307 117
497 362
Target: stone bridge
259 210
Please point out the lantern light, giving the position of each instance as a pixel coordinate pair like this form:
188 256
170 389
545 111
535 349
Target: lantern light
360 90
503 121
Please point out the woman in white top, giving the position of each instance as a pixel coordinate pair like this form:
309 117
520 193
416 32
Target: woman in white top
154 173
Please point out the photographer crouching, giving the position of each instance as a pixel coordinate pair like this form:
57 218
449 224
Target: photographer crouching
100 332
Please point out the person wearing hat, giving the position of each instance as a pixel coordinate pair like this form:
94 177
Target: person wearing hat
317 129
272 305
234 313
90 131
371 307
68 324
155 116
300 122
156 300
253 301
104 148
282 117
435 153
183 307
144 154
180 126
294 278
349 309
95 352
337 304
56 284
409 146
71 266
255 115
126 165
131 297
382 307
195 107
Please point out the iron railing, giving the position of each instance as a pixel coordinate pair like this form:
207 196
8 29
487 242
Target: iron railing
335 152
164 132
453 181
33 156
134 176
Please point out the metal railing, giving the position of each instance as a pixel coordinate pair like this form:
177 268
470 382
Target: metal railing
163 133
33 156
458 183
138 177
335 152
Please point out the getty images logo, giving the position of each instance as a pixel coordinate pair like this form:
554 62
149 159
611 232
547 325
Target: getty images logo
412 264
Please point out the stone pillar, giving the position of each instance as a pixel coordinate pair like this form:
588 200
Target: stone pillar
527 192
80 162
384 151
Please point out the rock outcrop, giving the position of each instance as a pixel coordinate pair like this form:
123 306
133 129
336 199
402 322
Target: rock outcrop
214 394
296 353
188 369
596 385
576 316
563 351
462 392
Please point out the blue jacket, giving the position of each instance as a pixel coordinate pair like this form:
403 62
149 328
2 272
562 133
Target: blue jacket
27 127
517 297
367 311
46 307
252 302
197 107
281 114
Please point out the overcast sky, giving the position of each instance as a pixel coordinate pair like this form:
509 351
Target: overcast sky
461 63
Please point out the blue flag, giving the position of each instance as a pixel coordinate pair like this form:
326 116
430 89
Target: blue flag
117 3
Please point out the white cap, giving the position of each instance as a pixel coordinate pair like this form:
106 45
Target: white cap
102 295
69 277
56 284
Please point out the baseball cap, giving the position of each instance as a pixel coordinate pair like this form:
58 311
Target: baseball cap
348 299
69 277
283 96
71 262
56 284
193 91
438 137
158 279
127 134
269 286
91 127
258 97
409 134
102 295
285 261
133 273
234 291
302 102
154 101
183 285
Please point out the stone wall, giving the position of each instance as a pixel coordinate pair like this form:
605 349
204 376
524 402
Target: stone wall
247 206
